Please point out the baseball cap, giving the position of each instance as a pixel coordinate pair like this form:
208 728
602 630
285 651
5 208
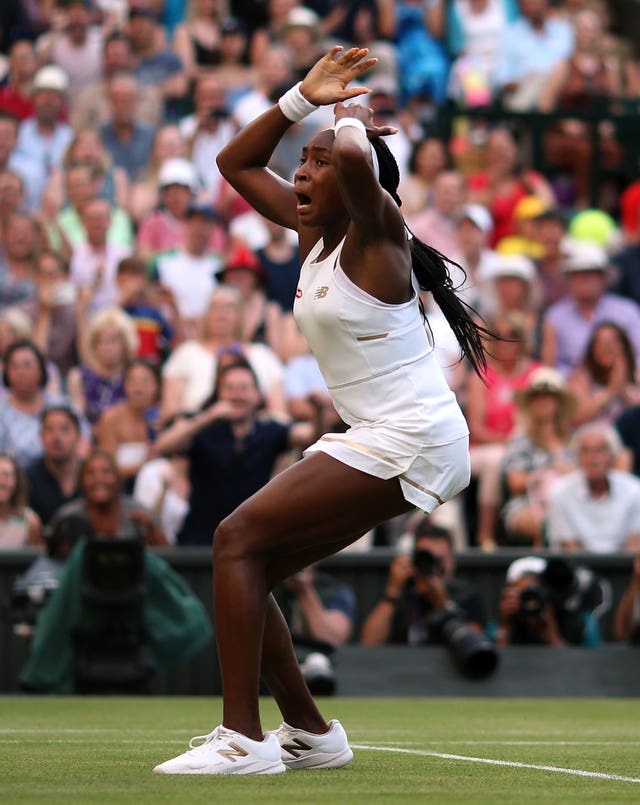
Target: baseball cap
203 209
177 171
512 265
584 256
50 77
242 258
302 17
382 84
478 215
525 566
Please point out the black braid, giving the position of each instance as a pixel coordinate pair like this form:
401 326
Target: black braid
431 270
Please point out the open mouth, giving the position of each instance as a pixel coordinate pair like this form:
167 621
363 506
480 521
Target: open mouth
303 200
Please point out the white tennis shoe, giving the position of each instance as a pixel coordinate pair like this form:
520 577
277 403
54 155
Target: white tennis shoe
226 752
306 750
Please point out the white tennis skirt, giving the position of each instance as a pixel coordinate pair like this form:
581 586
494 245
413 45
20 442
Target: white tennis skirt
428 474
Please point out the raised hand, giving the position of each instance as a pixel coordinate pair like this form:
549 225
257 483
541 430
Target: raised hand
326 81
365 115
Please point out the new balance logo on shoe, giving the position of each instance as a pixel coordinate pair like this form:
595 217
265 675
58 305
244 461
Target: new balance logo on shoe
233 752
296 748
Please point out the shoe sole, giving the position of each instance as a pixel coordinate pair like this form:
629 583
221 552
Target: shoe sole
321 760
276 768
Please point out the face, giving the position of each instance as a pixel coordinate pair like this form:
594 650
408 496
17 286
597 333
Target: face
176 199
471 238
77 22
11 193
245 280
594 456
7 480
588 31
223 315
60 437
99 480
49 271
586 286
21 237
23 372
607 347
88 147
23 61
109 347
512 293
238 387
8 138
123 96
96 217
117 56
441 550
48 104
543 406
141 387
534 10
198 233
430 159
209 96
502 152
509 345
549 232
168 144
274 69
80 186
141 31
448 192
315 185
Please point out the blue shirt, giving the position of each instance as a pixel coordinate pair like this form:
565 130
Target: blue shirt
525 50
34 156
132 155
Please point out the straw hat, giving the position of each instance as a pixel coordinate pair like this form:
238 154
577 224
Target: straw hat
546 380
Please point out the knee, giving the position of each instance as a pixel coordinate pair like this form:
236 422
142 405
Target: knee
227 539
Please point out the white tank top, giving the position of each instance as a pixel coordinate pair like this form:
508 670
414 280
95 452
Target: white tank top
377 359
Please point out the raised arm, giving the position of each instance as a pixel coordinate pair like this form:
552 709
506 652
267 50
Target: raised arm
243 162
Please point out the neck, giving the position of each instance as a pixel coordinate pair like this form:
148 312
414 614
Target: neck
62 468
242 427
6 509
123 128
598 486
332 235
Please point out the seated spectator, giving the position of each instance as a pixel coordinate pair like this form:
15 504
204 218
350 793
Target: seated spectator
126 430
596 508
243 270
197 40
20 526
25 376
503 181
302 36
108 511
106 349
54 477
15 325
21 239
428 158
568 324
511 288
437 225
580 83
548 602
524 239
473 231
189 271
606 381
232 451
421 587
189 375
551 229
15 87
627 618
530 48
491 414
238 77
539 454
147 306
147 196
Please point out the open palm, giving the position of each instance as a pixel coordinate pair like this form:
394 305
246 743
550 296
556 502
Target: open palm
326 82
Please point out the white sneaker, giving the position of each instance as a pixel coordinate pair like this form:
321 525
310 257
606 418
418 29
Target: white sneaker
226 752
306 750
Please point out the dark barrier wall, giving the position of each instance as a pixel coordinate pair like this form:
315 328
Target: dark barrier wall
365 572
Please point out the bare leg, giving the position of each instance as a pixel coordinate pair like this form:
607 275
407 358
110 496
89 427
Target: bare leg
313 505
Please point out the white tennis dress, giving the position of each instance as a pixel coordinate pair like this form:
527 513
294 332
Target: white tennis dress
378 363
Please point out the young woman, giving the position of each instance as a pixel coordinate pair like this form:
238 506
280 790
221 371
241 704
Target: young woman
407 444
20 526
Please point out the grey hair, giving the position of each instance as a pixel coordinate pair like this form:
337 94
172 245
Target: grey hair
602 429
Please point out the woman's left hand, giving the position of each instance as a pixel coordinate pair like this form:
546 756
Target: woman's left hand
364 115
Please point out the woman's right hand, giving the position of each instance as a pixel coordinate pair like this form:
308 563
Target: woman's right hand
325 83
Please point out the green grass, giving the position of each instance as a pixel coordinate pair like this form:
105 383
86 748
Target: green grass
102 750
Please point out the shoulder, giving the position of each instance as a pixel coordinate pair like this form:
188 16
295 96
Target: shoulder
625 482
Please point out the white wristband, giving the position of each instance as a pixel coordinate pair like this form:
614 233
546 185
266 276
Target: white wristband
358 124
294 106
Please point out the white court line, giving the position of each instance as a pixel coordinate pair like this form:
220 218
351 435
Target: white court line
492 762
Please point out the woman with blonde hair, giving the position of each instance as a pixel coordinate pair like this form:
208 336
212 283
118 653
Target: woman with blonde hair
106 349
20 526
189 374
197 40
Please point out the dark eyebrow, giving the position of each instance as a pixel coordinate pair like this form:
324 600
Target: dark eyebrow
315 147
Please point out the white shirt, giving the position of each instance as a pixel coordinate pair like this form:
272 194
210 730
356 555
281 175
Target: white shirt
206 147
85 262
191 279
601 525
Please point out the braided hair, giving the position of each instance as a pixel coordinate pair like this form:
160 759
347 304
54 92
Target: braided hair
432 272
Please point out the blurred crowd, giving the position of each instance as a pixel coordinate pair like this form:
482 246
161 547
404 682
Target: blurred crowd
152 374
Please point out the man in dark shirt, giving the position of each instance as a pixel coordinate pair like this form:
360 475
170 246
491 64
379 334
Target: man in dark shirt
232 451
421 589
53 478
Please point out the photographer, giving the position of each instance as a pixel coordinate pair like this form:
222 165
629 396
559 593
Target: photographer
422 593
549 602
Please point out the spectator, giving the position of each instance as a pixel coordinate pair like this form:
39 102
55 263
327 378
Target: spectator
55 329
627 618
538 455
238 77
43 138
106 349
437 225
530 48
525 225
146 194
567 325
491 413
232 452
54 477
280 259
420 588
302 36
15 325
9 161
189 375
510 286
596 508
243 271
473 231
76 47
15 87
605 382
17 263
207 131
551 229
25 376
91 107
197 40
580 83
109 512
428 158
94 262
12 196
126 430
128 142
548 602
189 271
20 526
385 102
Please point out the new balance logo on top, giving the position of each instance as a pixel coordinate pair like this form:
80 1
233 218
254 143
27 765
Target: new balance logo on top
296 748
233 752
321 291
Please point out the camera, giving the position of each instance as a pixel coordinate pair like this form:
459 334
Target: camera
427 563
475 656
533 600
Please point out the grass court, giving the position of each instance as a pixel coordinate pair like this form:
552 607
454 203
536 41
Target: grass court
102 750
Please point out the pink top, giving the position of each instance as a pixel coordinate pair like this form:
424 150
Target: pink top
500 415
160 232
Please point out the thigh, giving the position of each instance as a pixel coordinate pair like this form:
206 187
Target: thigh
319 501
